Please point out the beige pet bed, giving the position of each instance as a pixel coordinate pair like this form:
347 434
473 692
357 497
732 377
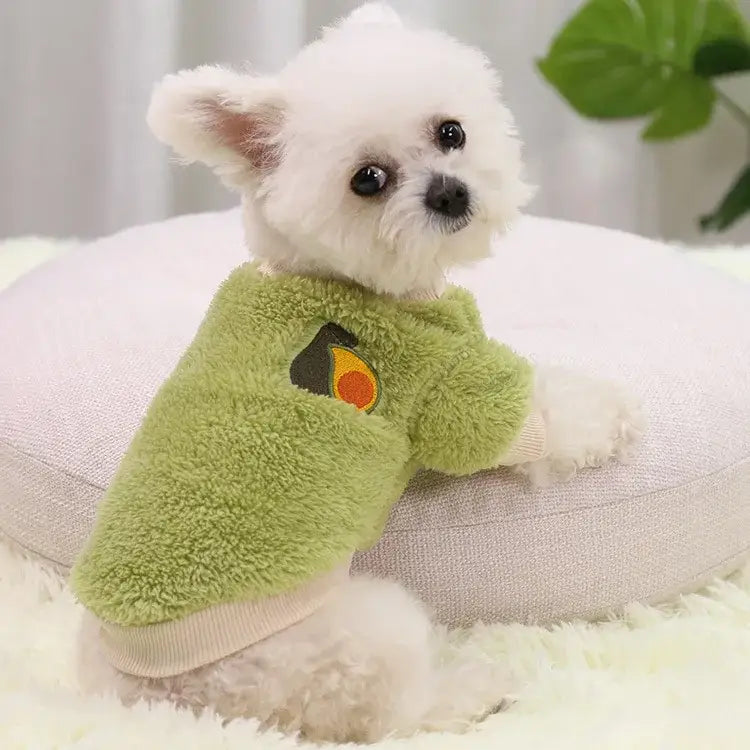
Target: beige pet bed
81 358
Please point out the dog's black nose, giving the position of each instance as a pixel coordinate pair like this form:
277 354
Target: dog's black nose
447 196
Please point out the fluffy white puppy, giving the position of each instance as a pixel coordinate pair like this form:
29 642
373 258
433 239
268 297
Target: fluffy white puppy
384 155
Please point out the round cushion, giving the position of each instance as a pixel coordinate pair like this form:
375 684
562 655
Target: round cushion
88 338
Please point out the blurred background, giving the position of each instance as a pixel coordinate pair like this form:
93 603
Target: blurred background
76 158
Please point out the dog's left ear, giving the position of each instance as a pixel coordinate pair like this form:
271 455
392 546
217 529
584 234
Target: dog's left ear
227 120
380 13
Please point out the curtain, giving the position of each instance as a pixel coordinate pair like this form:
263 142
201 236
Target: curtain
76 158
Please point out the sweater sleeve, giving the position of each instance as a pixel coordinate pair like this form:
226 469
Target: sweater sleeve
474 412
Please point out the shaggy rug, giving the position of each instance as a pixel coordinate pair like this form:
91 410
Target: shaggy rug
674 678
668 678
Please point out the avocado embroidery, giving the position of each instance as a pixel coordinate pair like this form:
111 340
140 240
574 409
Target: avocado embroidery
329 366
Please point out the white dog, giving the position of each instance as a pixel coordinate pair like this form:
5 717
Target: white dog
383 155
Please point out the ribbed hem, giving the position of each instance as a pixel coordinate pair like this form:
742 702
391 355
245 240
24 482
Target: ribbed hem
530 444
170 648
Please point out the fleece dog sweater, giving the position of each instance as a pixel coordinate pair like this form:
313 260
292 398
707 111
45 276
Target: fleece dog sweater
276 448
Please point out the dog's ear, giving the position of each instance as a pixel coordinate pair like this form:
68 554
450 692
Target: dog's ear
227 120
380 13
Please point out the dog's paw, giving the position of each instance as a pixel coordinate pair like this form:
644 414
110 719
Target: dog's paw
589 422
467 693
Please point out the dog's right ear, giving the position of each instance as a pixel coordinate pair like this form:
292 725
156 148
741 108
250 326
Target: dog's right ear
227 120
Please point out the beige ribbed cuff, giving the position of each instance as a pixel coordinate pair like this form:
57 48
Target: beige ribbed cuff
530 443
170 648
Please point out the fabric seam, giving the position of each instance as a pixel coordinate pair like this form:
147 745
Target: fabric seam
632 498
18 451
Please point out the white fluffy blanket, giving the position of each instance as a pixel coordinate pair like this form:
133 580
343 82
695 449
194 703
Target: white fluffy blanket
669 679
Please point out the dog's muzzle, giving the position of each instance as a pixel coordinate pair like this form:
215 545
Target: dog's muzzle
449 198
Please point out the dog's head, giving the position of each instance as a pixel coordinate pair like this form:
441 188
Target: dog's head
380 153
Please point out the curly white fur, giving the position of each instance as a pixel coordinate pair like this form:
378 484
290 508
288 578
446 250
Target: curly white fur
368 663
366 92
588 422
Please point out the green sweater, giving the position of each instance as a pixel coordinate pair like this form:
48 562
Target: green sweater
285 434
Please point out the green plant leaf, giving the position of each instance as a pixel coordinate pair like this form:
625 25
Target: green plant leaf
620 58
688 106
734 205
722 56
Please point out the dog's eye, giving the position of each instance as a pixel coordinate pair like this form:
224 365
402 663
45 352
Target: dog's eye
450 135
369 180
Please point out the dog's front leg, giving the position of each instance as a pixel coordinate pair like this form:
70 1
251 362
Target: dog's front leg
587 422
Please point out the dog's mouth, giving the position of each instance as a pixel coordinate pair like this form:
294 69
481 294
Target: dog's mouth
456 225
452 224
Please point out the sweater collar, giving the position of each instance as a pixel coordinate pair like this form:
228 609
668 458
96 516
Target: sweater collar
270 268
